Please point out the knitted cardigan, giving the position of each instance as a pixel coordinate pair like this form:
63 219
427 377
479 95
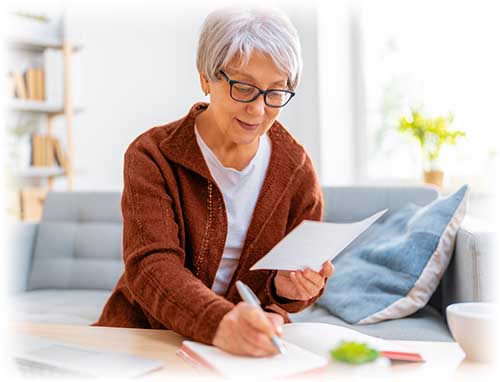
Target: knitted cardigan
175 226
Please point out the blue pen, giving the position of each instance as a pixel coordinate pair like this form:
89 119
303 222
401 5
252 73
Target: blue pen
248 296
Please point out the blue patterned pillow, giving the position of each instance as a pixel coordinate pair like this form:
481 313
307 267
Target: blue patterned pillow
392 270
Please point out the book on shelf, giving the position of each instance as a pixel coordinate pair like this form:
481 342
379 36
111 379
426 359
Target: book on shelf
46 151
29 80
49 151
41 83
308 346
59 155
20 86
28 85
41 80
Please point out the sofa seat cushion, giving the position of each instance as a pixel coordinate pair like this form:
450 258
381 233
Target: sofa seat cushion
57 306
425 325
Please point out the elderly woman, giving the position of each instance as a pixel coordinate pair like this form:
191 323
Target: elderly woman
207 196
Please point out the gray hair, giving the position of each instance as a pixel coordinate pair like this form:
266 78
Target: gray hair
229 32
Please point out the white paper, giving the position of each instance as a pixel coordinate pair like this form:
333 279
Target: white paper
295 360
312 243
320 338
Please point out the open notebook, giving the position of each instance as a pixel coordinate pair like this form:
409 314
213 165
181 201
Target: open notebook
308 347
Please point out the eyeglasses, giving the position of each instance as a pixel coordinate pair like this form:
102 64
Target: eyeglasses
243 92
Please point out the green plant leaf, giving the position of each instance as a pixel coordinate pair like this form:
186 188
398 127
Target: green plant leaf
431 133
354 353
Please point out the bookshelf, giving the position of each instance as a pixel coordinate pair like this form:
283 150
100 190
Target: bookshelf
31 181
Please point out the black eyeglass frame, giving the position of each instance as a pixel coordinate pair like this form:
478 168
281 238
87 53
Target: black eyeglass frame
260 91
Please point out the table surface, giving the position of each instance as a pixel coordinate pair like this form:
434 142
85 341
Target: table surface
444 359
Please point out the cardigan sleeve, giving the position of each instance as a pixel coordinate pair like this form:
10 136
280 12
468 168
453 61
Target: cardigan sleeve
306 204
154 259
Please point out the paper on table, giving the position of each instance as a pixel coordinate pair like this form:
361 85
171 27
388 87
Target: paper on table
321 338
294 361
312 243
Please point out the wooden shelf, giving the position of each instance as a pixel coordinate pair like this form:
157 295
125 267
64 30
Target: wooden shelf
37 107
30 43
40 172
38 44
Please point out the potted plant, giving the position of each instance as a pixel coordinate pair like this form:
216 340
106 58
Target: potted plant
432 134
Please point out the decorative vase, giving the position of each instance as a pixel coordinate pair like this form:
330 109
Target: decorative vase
434 177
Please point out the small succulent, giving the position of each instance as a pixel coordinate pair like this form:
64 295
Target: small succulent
354 353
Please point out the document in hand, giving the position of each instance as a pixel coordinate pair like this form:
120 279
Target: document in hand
312 243
308 348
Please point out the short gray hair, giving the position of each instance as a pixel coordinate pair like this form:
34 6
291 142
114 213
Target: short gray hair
229 32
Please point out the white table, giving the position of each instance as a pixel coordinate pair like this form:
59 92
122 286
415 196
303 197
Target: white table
445 360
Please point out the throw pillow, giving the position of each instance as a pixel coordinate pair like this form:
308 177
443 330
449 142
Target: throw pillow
392 270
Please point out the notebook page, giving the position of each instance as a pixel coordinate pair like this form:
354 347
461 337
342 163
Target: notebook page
294 361
320 338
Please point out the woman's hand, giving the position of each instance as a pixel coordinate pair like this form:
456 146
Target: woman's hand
302 285
247 330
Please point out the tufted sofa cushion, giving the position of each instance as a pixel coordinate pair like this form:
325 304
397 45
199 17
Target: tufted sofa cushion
78 243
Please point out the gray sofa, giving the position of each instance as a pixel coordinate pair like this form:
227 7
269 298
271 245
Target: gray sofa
63 269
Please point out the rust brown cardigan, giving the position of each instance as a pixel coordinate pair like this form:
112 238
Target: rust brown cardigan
175 225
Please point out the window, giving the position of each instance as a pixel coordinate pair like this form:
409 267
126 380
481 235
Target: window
443 58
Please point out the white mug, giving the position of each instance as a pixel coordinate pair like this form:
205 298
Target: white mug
472 325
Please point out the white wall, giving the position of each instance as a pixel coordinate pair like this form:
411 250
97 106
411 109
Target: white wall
339 93
137 70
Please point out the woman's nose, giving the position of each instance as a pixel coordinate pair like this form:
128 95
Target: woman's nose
257 107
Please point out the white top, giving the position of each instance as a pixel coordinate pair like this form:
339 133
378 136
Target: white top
240 190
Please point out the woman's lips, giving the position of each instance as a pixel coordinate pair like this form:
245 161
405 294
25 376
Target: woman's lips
247 126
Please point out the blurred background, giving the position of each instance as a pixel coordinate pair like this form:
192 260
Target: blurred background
392 92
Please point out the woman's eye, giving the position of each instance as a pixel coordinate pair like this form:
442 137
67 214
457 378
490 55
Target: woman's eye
275 95
243 89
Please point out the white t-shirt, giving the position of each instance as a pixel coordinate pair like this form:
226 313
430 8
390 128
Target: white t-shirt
240 190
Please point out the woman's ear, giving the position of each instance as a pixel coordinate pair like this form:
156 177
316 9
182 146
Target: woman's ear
205 85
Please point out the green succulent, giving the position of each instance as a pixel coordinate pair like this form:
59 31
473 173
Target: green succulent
354 353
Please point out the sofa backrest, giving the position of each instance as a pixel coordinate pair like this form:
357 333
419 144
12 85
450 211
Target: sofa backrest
346 204
79 239
78 244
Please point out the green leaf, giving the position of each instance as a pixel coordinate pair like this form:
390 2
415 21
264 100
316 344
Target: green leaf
431 133
354 353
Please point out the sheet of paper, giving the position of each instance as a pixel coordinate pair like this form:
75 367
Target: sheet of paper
295 360
320 338
312 243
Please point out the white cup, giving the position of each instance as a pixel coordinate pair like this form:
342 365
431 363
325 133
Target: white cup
472 325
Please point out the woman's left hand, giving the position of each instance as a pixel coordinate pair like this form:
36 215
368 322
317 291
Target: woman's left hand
302 285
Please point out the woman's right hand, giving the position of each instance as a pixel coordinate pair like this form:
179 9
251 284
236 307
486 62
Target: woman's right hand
247 330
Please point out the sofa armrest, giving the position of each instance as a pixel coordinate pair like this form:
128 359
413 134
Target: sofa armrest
20 248
470 276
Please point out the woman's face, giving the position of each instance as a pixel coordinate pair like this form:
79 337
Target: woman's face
242 123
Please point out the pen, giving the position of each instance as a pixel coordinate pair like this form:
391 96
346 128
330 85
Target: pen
248 296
